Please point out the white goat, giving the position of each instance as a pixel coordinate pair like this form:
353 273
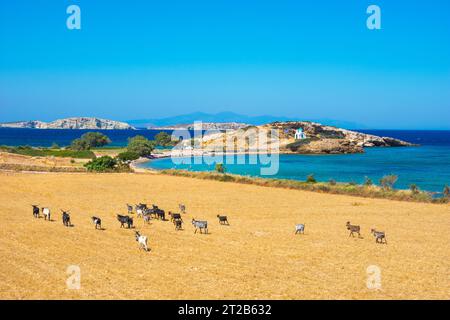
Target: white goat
299 228
46 213
142 240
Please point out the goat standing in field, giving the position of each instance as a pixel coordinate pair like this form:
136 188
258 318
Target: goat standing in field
97 222
129 209
380 236
202 225
300 228
35 211
146 215
182 208
125 220
178 224
66 218
223 220
353 229
46 213
140 209
175 216
142 240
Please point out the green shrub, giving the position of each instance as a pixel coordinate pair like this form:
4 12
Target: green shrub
310 179
102 164
446 191
368 182
127 156
414 189
220 168
387 182
54 146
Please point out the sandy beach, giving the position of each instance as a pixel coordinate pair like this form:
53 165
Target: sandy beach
257 257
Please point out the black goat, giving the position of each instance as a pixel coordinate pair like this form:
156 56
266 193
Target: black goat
35 211
223 220
97 222
125 220
175 216
178 224
66 218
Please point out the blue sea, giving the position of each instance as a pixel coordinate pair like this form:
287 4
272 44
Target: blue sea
46 137
427 166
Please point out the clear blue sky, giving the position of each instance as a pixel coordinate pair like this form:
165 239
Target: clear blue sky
307 59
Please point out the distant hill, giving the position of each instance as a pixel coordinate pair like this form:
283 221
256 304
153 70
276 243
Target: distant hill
70 123
230 117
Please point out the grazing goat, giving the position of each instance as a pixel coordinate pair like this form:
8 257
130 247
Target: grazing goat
353 229
35 211
146 216
142 240
174 217
223 220
130 209
97 222
159 213
178 224
125 220
380 236
300 228
140 209
66 218
182 208
46 213
202 225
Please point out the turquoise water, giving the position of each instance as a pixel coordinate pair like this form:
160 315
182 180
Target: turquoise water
426 166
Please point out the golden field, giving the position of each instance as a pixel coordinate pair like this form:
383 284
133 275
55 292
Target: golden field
257 257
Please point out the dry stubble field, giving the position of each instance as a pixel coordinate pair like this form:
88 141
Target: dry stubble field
257 257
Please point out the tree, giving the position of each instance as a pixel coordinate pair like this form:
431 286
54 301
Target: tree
163 139
141 146
102 164
387 182
78 145
127 156
220 168
90 140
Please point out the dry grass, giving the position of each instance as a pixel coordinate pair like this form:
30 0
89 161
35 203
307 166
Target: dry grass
17 162
258 256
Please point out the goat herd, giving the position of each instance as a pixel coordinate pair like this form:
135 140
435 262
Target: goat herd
142 211
147 214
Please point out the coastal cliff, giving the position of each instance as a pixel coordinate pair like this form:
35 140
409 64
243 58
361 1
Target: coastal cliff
71 123
316 139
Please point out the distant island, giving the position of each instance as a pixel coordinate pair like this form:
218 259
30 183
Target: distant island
205 126
71 123
300 137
